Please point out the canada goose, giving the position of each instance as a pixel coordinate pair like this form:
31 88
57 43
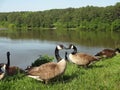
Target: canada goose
11 70
48 71
2 70
81 59
107 53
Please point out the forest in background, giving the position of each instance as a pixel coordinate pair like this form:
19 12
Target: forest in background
84 18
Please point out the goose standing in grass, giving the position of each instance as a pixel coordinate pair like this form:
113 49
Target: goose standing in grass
2 70
12 70
107 53
81 59
48 71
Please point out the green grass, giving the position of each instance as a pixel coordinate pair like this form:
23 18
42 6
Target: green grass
103 75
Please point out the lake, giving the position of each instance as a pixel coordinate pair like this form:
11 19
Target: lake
27 46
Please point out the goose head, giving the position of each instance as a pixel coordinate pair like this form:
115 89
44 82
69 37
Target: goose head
117 50
60 47
8 53
71 46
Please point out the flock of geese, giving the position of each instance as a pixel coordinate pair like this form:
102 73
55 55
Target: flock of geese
50 70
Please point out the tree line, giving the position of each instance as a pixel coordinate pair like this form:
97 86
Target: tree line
84 18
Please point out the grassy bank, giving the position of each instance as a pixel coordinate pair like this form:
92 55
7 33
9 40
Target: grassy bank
103 75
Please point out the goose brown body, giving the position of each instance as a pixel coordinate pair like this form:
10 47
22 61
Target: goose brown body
81 59
48 71
107 53
12 70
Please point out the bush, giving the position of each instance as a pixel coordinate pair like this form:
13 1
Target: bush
116 25
41 60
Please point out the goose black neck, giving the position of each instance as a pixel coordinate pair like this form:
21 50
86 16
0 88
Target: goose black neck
57 55
8 60
66 58
75 50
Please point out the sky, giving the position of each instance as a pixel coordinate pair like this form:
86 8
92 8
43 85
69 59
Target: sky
41 5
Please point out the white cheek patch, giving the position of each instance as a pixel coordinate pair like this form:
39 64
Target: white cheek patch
72 47
58 47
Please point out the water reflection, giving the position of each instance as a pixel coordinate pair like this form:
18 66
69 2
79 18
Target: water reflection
85 38
26 46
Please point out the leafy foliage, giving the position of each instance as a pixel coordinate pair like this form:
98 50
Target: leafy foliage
84 18
41 60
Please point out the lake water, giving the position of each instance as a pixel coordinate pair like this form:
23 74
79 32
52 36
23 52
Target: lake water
26 46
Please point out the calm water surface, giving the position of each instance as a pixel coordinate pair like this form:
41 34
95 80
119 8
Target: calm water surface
25 47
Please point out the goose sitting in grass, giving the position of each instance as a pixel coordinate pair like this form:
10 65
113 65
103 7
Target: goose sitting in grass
12 70
81 59
2 70
48 71
108 53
